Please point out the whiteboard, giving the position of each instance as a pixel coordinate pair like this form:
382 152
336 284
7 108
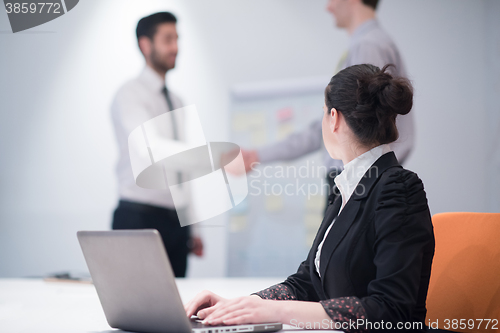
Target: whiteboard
270 232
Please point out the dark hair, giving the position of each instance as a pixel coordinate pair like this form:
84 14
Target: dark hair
371 3
370 99
147 25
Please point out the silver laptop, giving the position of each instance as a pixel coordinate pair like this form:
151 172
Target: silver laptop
136 286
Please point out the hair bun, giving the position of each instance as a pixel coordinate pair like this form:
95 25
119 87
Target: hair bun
370 99
386 94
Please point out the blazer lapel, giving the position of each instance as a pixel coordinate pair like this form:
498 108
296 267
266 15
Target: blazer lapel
342 224
348 214
332 211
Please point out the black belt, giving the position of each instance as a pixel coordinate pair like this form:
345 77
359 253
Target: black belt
144 208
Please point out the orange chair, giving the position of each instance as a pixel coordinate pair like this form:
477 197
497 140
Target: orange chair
465 279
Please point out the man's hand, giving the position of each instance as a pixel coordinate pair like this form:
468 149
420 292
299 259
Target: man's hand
196 246
249 157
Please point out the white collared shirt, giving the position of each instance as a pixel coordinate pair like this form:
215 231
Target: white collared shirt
136 102
348 180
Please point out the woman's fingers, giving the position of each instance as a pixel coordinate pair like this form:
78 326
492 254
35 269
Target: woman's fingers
238 320
242 316
233 315
215 310
204 313
224 308
189 305
192 306
201 301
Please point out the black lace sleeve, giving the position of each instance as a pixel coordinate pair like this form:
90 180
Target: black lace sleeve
277 292
345 312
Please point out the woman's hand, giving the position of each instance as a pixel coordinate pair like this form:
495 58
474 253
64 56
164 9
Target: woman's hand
241 310
205 299
215 310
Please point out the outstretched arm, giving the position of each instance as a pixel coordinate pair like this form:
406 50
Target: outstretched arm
294 146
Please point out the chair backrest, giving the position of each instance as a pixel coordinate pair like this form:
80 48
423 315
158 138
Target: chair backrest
465 280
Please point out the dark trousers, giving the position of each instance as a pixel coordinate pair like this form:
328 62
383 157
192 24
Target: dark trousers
132 215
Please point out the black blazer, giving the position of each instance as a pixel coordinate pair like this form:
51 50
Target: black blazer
376 261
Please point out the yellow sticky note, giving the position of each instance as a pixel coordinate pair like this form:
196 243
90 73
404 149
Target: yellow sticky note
310 238
274 203
284 130
315 203
256 120
244 121
313 221
237 223
240 122
258 137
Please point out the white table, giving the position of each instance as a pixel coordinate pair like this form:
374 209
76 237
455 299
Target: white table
35 306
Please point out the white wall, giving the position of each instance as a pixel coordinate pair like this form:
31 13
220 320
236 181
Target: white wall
444 46
57 149
492 91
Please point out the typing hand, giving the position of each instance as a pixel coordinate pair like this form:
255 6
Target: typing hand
241 310
205 299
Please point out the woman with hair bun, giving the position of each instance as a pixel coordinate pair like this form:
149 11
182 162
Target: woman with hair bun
370 263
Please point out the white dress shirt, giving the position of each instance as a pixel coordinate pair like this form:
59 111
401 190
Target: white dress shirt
347 181
136 102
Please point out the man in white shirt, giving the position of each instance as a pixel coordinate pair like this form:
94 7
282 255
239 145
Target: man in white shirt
136 102
368 44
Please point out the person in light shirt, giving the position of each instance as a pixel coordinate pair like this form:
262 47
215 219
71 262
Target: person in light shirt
369 43
137 101
370 262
